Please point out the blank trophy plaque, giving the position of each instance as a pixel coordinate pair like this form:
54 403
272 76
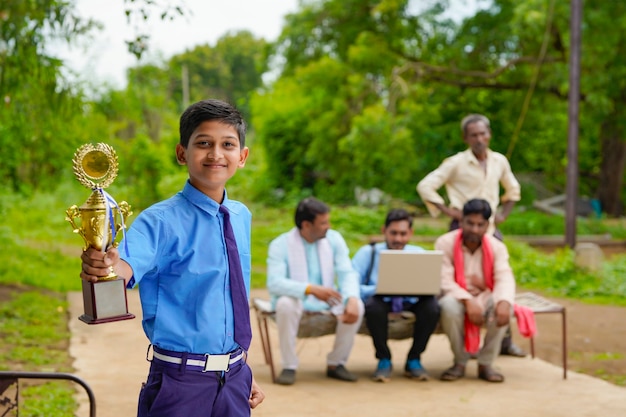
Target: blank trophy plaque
101 218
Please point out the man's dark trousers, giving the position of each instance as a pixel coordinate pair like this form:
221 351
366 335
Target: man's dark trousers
426 312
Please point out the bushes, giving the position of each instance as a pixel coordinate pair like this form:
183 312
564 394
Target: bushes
558 275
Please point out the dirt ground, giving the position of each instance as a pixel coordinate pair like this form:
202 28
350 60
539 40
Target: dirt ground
111 358
596 339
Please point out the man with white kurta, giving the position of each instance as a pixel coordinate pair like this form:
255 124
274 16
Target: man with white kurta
309 269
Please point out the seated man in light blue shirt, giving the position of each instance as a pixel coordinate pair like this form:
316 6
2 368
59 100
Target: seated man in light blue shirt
308 268
397 231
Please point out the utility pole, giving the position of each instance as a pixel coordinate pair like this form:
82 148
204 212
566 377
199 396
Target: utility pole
185 81
572 131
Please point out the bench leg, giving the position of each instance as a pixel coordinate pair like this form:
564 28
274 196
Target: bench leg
265 341
564 347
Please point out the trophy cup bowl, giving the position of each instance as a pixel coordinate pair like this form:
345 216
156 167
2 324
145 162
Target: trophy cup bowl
98 222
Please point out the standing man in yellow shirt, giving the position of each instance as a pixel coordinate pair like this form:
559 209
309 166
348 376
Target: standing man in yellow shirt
476 172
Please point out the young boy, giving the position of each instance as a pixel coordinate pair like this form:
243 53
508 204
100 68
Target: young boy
177 252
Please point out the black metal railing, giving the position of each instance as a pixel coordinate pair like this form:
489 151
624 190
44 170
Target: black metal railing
8 378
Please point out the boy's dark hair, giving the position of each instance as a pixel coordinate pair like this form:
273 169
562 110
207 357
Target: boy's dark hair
308 209
477 206
207 110
396 215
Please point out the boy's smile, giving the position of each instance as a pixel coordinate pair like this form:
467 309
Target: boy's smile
212 156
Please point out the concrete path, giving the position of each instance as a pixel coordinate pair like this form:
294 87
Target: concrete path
111 359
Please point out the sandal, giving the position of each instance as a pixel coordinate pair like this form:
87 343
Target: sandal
487 373
455 372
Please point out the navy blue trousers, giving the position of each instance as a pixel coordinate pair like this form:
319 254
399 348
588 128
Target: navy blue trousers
184 393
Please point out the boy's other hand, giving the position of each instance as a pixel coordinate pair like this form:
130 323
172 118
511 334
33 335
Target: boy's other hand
256 395
96 263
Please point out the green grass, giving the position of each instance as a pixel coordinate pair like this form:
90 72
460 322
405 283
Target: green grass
48 399
35 338
533 222
557 274
34 332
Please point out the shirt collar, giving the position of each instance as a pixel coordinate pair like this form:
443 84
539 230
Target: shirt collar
471 158
205 203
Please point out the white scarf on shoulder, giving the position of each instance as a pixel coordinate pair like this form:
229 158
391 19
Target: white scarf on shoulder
296 255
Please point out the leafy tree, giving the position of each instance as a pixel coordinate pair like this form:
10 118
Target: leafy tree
231 70
142 119
408 76
40 119
509 44
140 12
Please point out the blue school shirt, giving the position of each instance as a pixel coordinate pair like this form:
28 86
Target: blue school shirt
177 251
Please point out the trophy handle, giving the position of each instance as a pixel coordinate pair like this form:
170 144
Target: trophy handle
73 213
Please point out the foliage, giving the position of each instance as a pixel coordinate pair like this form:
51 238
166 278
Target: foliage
40 119
231 70
139 13
532 222
371 92
558 275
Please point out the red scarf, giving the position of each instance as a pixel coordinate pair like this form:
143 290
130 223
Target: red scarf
524 315
472 331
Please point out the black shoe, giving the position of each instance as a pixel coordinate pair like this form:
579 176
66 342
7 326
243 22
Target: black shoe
340 373
513 350
286 377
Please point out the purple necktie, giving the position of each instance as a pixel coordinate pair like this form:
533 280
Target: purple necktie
396 304
241 308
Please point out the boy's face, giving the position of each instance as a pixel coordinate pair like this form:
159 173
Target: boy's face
212 157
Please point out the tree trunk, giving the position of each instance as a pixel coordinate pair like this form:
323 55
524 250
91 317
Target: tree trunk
613 153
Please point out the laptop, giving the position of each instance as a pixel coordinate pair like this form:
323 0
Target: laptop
403 272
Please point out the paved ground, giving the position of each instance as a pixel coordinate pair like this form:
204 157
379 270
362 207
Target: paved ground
111 359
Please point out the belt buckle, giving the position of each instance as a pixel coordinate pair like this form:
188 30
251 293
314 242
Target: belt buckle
216 362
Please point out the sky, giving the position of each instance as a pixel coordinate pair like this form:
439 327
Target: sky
105 58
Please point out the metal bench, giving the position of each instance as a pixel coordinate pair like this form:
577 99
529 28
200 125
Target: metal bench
541 305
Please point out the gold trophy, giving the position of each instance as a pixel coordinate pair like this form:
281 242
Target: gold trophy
101 218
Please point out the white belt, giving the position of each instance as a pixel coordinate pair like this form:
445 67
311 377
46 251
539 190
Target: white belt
211 363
